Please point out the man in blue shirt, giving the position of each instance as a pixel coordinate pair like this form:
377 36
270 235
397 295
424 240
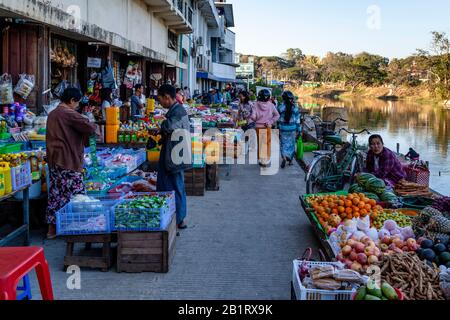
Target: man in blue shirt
136 104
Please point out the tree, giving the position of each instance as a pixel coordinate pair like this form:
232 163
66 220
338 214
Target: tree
440 62
293 55
368 69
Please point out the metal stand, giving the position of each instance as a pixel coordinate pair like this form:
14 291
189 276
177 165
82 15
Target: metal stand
25 228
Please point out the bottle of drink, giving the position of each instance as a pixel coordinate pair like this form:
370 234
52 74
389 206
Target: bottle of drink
121 137
35 170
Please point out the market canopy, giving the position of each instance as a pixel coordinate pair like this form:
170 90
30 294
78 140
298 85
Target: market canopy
207 75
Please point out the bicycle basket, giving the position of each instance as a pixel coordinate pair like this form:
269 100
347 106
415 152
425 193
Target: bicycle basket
322 127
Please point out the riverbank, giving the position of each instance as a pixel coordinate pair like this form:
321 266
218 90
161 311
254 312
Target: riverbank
419 94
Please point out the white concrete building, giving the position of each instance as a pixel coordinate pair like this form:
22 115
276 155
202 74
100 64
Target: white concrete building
246 70
149 31
211 47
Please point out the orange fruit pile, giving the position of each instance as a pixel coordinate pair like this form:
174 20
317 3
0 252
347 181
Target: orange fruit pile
346 207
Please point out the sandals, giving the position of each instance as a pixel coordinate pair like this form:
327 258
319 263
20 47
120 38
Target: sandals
182 226
51 236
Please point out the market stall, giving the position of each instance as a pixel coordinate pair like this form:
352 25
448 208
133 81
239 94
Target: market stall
371 226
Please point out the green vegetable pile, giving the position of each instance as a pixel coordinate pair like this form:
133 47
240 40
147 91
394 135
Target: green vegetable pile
140 213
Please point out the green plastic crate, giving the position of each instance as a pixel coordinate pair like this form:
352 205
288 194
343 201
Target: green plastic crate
310 147
5 136
11 148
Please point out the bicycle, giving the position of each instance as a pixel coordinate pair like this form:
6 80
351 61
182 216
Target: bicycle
325 129
327 174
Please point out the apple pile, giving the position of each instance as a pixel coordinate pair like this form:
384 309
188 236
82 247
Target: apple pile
390 245
359 255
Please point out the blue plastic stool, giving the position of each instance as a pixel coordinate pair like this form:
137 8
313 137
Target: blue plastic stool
25 290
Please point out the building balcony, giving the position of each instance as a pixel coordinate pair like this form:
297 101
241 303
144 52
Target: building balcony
176 14
223 71
209 11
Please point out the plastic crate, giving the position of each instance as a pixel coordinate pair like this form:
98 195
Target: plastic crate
143 219
102 193
310 147
5 136
171 202
38 144
84 222
100 204
116 172
21 176
127 179
303 293
11 148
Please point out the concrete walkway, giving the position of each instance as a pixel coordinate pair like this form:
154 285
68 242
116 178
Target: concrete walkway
240 245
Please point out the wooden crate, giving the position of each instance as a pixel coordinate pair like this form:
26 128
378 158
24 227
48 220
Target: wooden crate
195 182
147 251
212 177
102 262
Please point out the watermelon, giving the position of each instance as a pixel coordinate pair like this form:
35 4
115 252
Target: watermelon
388 197
372 196
375 185
356 189
363 178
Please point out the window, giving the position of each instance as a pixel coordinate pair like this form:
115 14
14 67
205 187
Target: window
173 41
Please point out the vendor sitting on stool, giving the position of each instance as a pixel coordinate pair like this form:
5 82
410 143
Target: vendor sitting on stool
383 163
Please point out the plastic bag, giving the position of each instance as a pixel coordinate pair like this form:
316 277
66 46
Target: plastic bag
107 76
25 85
60 88
6 89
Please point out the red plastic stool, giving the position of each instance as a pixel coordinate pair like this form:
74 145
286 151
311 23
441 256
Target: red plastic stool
16 263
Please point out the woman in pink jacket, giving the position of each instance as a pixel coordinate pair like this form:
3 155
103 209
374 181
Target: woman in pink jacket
265 115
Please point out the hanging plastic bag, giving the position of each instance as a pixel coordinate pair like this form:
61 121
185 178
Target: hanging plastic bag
6 89
60 88
25 85
107 76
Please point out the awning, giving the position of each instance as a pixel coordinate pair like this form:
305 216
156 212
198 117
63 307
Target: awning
207 75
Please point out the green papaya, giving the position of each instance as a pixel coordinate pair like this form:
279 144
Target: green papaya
373 289
372 298
361 293
389 291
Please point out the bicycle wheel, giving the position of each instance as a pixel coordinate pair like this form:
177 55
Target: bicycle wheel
357 167
321 169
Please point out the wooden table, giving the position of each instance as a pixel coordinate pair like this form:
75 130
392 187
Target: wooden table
25 228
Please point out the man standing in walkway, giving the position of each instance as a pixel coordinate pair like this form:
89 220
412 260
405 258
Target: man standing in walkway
170 170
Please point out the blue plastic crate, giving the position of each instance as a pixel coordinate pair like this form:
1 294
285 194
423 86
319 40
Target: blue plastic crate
85 218
170 198
35 145
142 220
102 193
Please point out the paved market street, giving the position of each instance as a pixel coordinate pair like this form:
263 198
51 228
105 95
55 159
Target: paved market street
240 245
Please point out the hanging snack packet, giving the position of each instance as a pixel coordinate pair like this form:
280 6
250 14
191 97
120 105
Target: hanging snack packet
6 89
25 85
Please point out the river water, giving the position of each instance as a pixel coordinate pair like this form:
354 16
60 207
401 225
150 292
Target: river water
423 127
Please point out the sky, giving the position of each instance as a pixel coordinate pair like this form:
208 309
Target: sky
391 28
